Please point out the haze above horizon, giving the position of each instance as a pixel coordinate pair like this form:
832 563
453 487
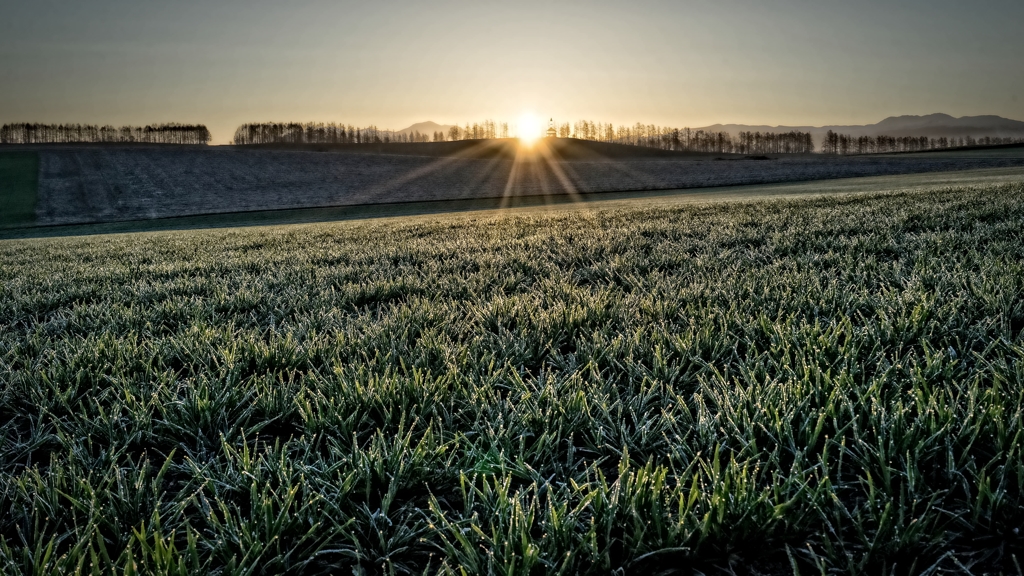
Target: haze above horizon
789 62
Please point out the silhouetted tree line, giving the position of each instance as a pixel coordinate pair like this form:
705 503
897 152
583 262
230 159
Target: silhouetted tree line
334 133
484 130
835 143
688 140
772 143
27 133
647 135
306 133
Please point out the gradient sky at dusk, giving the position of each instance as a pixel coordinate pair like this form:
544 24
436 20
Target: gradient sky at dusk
393 63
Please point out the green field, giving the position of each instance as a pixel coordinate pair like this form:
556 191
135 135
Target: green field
815 386
19 175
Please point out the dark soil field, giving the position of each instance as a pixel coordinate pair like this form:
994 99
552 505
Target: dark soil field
19 173
509 148
103 184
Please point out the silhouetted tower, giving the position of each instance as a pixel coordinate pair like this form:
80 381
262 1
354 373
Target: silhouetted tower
552 132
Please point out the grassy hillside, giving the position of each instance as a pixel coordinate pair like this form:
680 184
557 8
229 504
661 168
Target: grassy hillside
829 385
19 177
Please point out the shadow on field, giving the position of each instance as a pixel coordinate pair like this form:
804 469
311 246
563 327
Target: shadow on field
602 200
507 148
19 182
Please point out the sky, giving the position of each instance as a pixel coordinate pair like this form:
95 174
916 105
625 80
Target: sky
392 63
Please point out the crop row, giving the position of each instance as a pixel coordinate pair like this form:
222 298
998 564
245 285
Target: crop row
831 386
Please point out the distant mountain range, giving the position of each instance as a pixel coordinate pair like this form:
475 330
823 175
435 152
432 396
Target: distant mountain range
932 126
427 128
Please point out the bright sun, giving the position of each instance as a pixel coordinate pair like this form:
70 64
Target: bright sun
530 128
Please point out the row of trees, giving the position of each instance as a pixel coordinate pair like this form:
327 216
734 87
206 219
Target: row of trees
306 133
26 133
647 135
475 131
793 142
334 133
688 140
845 144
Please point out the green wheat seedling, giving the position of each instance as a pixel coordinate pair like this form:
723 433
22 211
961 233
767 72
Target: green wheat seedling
826 386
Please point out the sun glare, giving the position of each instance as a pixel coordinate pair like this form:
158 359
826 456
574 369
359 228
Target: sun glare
529 128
